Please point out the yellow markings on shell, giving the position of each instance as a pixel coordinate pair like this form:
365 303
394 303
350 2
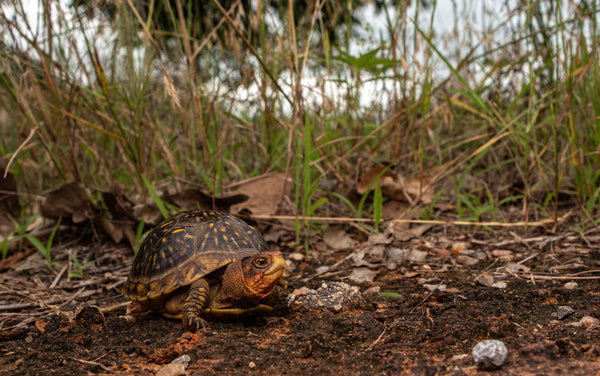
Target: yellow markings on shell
167 223
204 241
233 239
188 236
163 255
150 263
177 230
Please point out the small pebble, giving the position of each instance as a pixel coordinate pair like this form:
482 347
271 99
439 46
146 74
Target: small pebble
372 290
485 279
589 323
171 370
184 360
396 255
416 256
296 256
563 311
571 285
252 365
322 269
499 285
432 287
490 354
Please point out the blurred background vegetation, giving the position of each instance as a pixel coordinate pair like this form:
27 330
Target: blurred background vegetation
497 104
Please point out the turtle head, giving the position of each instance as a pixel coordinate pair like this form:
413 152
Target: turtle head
251 279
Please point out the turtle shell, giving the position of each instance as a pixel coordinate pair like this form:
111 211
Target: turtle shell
185 248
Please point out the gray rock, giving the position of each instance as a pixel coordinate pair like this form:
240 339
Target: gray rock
563 311
490 354
333 296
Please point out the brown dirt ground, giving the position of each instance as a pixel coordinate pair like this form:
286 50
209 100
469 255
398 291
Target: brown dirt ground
418 332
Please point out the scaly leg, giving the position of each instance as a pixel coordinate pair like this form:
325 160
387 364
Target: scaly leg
194 304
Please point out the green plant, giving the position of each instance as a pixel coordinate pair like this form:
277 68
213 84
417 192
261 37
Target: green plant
45 249
390 294
77 273
377 199
139 236
18 234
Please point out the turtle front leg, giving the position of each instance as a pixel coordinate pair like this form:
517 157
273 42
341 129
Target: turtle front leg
194 304
277 295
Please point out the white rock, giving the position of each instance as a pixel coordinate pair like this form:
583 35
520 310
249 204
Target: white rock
171 370
490 354
184 360
571 285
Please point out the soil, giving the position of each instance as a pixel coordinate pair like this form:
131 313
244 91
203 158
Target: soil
50 325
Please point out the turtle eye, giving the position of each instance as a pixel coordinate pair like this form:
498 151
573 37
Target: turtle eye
260 262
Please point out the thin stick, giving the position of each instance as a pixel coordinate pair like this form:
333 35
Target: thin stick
21 147
543 222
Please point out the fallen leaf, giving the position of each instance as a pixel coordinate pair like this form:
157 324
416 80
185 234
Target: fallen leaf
264 194
71 202
361 275
393 185
485 279
393 209
337 239
193 198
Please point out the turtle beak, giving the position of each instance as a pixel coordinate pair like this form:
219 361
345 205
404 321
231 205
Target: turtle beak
277 267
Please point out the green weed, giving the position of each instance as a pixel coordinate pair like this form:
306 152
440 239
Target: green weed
45 249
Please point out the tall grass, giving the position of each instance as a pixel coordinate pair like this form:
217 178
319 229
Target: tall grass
126 102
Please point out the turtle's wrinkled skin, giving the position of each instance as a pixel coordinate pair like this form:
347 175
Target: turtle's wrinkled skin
205 265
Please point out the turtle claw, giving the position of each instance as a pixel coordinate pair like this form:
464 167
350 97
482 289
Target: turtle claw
194 323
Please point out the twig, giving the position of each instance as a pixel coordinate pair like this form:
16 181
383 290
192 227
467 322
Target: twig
543 222
37 300
94 364
115 307
59 276
12 157
562 277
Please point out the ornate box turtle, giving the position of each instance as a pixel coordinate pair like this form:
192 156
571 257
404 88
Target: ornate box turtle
205 265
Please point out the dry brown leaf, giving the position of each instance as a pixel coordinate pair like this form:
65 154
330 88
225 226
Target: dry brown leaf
264 194
337 239
417 189
394 209
116 233
71 202
361 275
193 198
118 205
149 213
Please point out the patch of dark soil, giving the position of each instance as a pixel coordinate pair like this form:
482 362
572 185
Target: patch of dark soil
413 331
